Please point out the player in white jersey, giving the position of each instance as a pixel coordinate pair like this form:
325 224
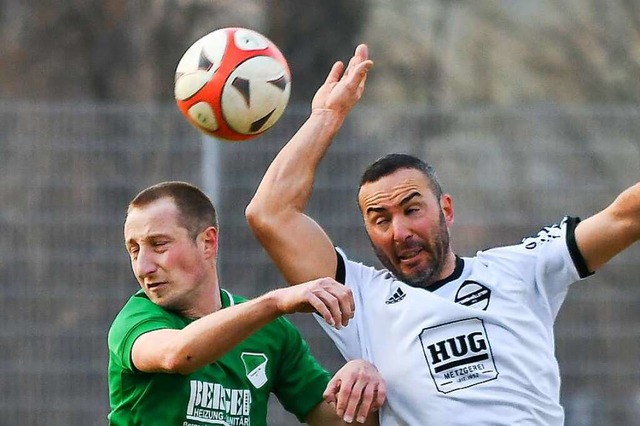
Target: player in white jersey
478 343
459 341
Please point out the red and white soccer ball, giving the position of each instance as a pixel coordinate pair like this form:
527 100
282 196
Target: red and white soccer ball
233 84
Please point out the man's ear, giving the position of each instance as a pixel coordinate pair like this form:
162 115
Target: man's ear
446 204
209 240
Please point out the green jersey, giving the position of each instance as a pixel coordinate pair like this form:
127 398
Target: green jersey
234 390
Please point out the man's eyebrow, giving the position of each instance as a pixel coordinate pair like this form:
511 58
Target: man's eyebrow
409 197
130 243
405 200
149 237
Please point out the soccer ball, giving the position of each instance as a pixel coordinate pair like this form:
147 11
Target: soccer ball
233 84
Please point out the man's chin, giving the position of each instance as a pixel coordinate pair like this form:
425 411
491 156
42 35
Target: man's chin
421 279
408 274
161 300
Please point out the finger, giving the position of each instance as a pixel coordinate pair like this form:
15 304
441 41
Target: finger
379 397
353 62
332 305
361 55
361 71
335 73
343 393
347 306
322 309
366 403
362 51
344 298
330 392
351 401
339 300
356 80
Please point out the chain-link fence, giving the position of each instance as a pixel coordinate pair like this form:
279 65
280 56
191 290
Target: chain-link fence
67 172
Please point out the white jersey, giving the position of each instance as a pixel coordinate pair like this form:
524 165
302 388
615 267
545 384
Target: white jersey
474 349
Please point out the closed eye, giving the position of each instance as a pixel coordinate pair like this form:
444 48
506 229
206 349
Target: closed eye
160 244
380 221
133 251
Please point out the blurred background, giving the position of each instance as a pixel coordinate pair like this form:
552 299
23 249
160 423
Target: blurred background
528 110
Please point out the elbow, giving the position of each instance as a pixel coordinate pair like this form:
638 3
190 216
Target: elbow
252 214
179 362
261 221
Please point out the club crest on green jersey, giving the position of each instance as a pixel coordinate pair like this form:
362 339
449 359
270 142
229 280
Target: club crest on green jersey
255 365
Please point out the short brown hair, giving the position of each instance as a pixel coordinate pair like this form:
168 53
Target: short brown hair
391 162
195 208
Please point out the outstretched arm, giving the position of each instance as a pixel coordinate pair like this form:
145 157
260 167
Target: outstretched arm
210 337
605 234
296 243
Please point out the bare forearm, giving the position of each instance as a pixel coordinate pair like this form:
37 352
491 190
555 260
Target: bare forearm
208 338
627 210
612 230
290 177
276 214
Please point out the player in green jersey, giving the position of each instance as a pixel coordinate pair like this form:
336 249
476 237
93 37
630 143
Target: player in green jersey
183 351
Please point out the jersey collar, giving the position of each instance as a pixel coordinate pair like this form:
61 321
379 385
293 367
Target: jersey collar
457 272
225 299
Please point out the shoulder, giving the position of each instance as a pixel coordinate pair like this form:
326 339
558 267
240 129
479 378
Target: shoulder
545 239
353 273
552 249
138 306
140 313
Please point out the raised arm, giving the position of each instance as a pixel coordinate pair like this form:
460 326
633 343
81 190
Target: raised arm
605 234
208 338
295 242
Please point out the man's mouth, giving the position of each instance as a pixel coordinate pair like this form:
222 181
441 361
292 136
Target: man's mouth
153 286
408 255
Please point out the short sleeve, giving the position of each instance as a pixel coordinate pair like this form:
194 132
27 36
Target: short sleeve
137 317
549 261
300 380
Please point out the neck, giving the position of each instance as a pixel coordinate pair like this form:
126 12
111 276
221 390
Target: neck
205 302
449 266
447 271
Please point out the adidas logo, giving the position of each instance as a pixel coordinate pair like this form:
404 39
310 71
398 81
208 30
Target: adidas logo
397 296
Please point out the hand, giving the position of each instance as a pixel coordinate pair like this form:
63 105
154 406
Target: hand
356 386
329 298
340 92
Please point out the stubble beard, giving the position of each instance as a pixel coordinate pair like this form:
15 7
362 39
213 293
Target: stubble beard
429 273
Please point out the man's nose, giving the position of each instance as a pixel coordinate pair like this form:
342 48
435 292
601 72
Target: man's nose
145 263
401 230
